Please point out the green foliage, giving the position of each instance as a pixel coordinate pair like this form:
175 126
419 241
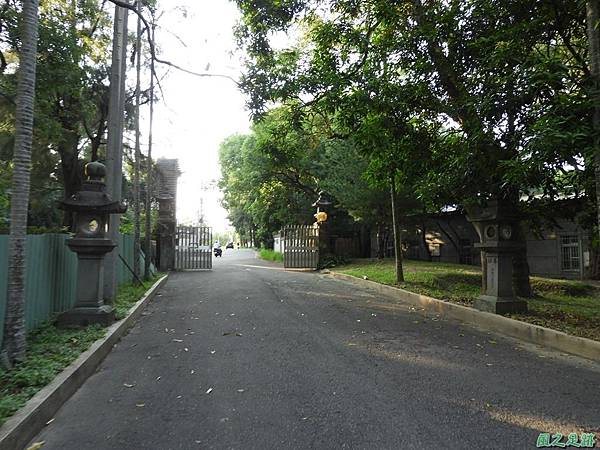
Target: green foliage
461 110
330 261
49 351
129 294
270 255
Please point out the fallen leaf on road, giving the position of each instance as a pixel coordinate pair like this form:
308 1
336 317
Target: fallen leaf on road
231 333
36 445
209 390
127 385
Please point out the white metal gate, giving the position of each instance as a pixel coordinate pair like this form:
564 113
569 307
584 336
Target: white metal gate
193 248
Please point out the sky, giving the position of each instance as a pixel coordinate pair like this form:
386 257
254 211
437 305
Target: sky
197 114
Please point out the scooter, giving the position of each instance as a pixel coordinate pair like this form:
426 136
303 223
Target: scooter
218 252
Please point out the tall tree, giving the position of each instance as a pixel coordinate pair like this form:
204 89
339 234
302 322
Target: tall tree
14 328
593 32
149 180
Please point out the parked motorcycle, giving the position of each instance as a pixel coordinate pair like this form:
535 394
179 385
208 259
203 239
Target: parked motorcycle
218 252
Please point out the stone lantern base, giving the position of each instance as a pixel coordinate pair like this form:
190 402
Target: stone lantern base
500 305
84 316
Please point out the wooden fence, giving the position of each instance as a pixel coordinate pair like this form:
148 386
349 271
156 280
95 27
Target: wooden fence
301 247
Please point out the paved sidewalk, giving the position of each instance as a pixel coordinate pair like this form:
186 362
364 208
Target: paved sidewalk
248 356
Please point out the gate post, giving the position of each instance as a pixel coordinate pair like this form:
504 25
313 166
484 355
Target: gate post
168 172
166 234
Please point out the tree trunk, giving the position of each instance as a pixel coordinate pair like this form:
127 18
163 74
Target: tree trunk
397 232
521 284
138 156
593 31
148 227
423 242
14 342
380 241
71 168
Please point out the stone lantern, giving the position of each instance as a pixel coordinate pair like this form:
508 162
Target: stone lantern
497 225
92 207
322 204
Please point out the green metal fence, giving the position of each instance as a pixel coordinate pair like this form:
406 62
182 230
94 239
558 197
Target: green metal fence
51 275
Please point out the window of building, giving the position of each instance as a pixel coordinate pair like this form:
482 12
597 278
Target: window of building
570 255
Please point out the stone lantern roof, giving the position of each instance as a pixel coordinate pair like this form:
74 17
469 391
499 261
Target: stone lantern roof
93 197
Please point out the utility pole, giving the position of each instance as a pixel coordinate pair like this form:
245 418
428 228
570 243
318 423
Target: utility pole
138 153
114 150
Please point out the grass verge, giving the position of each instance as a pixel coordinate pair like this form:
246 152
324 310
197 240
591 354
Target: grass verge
564 305
50 350
270 255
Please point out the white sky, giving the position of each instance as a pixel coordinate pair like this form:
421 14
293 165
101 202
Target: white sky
197 114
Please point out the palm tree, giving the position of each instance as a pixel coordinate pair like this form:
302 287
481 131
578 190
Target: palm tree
14 326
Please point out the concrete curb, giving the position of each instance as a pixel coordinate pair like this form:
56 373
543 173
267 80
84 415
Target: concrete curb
535 334
31 419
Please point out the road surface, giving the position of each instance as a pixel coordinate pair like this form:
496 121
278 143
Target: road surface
248 356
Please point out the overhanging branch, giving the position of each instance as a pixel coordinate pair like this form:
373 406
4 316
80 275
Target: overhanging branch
153 50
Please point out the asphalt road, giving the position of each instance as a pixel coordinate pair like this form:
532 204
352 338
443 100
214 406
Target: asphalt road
249 356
